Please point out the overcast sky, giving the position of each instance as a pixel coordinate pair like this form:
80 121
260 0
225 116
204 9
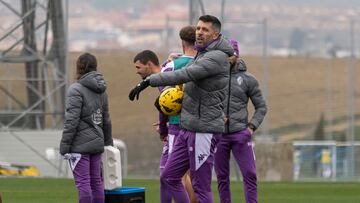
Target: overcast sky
316 3
324 3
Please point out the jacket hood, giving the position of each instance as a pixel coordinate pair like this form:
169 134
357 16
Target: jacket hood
94 81
223 45
239 66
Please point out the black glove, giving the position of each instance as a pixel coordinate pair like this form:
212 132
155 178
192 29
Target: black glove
139 87
156 104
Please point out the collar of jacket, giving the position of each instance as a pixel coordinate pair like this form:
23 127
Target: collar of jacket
239 66
201 48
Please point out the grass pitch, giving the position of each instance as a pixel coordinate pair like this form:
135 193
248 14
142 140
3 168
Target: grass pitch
41 190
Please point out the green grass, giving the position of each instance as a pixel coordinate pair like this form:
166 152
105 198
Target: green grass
41 190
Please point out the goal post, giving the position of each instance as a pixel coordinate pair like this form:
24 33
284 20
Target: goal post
325 161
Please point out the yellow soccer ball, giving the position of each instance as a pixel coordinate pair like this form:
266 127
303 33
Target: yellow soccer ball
170 101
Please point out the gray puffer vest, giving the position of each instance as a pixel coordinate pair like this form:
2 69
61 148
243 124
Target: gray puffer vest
87 125
205 90
243 86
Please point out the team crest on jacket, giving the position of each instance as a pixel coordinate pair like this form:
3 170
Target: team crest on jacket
97 117
239 80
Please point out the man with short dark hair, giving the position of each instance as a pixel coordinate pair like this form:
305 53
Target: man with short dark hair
202 118
146 63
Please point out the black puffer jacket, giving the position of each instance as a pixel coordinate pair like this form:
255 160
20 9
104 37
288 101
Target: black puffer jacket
243 86
87 125
205 90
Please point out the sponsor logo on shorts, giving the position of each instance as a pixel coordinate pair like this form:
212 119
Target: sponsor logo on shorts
201 157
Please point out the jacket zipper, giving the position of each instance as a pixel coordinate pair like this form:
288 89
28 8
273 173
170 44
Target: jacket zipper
199 108
228 105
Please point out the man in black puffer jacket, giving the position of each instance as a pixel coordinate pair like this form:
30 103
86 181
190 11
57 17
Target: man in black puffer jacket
87 129
202 117
242 87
